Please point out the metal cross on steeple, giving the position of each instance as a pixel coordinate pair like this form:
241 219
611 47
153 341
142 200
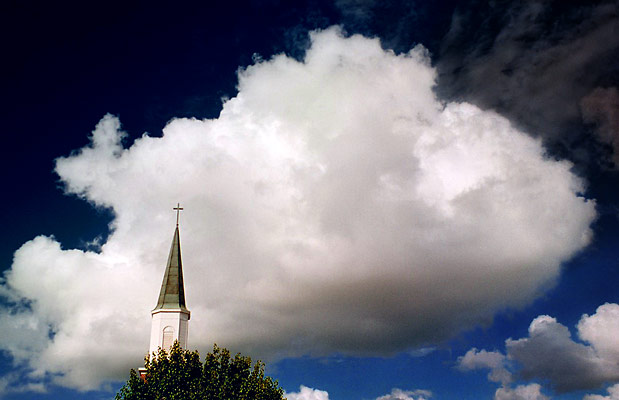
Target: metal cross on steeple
178 209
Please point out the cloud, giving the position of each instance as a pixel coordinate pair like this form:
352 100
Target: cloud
306 393
601 107
498 365
79 314
421 351
550 354
334 205
600 329
482 359
613 394
399 394
12 383
521 392
536 67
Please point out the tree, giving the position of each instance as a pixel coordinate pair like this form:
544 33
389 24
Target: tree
180 375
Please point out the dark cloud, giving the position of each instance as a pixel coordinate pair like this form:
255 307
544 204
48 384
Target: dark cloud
601 108
532 61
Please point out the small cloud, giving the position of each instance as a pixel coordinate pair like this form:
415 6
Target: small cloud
16 383
422 352
399 394
521 392
493 360
613 394
306 393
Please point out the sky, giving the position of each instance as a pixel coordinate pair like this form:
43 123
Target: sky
383 200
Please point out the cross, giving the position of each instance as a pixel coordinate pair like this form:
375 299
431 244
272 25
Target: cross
178 209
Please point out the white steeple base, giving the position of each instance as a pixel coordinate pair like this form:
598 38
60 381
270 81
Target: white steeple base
167 326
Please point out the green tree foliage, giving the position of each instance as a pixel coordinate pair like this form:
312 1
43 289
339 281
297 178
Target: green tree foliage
180 375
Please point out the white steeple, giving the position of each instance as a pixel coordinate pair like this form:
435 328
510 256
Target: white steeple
170 317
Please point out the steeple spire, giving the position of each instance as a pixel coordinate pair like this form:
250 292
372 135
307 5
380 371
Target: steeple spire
172 294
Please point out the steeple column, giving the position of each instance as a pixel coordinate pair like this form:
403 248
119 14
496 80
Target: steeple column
168 326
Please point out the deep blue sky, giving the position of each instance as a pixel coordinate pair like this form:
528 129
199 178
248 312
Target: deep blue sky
65 66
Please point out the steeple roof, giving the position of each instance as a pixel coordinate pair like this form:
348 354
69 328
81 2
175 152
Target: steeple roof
172 294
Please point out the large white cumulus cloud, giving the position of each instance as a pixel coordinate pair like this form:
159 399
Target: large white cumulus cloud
334 205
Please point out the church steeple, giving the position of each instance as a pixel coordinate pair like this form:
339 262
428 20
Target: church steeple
172 294
170 318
